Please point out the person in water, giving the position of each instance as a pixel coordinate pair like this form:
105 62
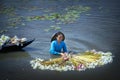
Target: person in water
58 46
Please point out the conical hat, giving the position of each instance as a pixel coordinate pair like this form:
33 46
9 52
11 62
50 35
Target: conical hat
56 34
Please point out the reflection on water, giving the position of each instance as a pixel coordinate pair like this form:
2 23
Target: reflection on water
14 55
79 45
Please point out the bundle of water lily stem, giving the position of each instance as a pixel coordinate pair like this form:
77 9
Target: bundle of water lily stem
12 40
79 62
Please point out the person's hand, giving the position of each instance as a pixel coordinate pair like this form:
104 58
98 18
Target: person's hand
64 56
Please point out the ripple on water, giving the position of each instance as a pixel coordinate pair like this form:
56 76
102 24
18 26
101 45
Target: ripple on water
79 45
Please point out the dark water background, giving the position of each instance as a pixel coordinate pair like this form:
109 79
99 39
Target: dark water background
97 29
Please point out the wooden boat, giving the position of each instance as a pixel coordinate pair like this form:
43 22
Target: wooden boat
14 47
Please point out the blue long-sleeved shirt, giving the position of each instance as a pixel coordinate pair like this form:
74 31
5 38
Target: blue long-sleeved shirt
57 48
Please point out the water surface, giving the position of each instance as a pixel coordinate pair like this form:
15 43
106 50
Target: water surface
96 29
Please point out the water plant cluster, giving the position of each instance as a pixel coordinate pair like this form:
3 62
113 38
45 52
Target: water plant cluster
70 15
67 15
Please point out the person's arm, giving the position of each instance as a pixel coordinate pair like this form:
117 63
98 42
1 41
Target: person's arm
64 47
52 49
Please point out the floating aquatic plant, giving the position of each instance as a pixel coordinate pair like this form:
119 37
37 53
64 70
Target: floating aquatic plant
52 28
73 13
70 15
15 21
12 18
51 16
7 10
79 62
3 31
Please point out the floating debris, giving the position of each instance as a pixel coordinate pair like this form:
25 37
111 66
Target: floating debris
79 62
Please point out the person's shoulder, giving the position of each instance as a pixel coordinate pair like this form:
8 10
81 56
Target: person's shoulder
63 42
54 41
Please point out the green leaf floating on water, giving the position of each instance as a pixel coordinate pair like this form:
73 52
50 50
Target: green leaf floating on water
67 15
70 15
52 28
35 18
16 21
7 10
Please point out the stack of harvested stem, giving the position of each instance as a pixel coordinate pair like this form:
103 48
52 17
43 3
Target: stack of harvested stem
88 59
